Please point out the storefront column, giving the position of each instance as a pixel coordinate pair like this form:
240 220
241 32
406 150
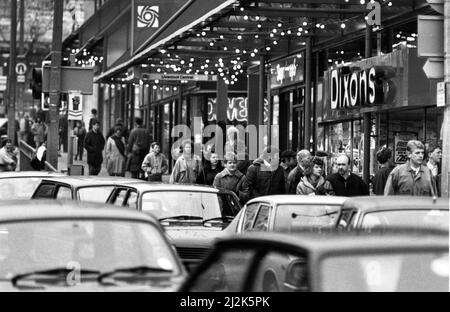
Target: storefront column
445 183
180 106
261 89
308 85
367 118
253 109
222 102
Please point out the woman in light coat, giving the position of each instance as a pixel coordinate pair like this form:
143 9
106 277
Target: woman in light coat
187 167
115 154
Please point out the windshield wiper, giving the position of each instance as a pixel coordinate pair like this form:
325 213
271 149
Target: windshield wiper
223 219
182 217
63 272
141 270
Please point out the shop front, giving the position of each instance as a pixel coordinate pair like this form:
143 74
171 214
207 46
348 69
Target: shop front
401 101
287 101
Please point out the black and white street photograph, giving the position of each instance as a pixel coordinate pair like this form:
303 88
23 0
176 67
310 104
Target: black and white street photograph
222 151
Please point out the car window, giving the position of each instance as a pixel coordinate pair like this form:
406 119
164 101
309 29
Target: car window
18 188
406 218
165 204
262 219
120 197
346 218
45 190
97 194
226 273
299 216
101 245
249 216
278 271
63 193
415 271
132 200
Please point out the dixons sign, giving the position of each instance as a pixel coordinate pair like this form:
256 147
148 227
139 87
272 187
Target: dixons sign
355 88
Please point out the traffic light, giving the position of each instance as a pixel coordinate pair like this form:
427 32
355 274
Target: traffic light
36 83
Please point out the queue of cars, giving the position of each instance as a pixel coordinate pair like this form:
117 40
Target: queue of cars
273 243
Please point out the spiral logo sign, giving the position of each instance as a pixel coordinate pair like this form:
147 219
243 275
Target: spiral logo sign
147 16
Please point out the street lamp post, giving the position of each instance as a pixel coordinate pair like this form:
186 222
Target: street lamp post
11 98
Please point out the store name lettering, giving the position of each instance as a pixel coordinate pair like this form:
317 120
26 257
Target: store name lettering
354 89
291 71
237 109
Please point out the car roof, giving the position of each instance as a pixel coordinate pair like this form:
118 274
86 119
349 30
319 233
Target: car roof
151 186
11 210
343 241
30 174
78 181
300 199
380 203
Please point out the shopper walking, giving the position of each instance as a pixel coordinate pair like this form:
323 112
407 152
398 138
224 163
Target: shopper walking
384 158
187 166
413 177
344 182
138 148
210 169
80 133
116 154
296 174
232 179
155 163
312 182
94 144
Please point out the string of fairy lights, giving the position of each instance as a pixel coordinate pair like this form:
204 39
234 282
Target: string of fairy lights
237 54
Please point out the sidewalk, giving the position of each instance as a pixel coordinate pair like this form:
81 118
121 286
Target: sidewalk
62 166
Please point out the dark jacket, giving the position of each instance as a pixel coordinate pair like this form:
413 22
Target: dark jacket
236 182
207 174
94 144
138 147
380 179
293 180
263 181
353 186
402 181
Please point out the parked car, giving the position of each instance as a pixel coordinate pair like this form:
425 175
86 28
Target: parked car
21 184
287 212
92 189
192 215
345 261
394 211
72 245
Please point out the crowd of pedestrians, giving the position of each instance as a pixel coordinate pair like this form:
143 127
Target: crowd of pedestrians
271 173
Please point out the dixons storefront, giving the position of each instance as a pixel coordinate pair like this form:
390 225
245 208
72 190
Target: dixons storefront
401 101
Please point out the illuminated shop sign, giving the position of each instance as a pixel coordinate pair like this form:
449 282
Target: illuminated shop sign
236 110
356 88
287 72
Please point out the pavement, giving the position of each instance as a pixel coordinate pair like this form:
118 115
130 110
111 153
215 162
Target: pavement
62 167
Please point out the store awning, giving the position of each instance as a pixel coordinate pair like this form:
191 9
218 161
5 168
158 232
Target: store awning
190 15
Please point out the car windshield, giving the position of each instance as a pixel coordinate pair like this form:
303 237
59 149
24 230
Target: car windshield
424 271
18 188
297 216
103 245
97 194
164 204
406 218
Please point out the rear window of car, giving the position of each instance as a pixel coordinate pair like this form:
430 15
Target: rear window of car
426 218
18 188
97 194
418 271
292 217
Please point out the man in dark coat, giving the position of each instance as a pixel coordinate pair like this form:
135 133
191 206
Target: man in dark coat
138 148
344 182
94 144
265 176
296 174
384 157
